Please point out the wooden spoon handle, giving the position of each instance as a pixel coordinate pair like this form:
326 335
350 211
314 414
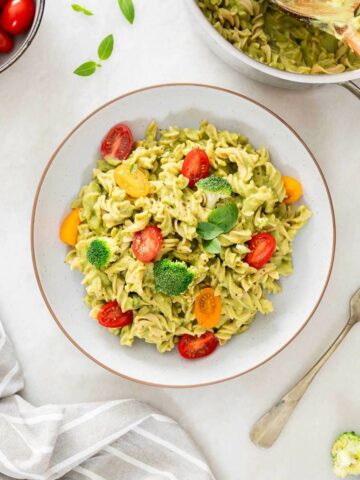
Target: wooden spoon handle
352 38
268 428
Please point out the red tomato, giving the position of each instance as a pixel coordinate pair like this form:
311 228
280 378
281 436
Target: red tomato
147 243
111 316
17 16
6 42
196 166
2 3
118 143
196 347
262 247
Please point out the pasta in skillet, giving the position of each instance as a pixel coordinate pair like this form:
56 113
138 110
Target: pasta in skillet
270 36
176 218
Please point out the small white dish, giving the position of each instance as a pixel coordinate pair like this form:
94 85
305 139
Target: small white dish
183 105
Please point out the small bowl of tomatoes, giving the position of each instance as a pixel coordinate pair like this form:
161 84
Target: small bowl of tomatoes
19 23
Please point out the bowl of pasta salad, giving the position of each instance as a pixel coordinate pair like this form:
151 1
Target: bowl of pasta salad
182 235
258 39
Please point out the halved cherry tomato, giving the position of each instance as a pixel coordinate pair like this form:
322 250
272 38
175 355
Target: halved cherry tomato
196 347
6 42
69 227
262 247
196 166
293 190
17 16
118 142
111 316
207 308
147 243
134 182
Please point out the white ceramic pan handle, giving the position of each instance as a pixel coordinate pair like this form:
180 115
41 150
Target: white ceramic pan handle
352 87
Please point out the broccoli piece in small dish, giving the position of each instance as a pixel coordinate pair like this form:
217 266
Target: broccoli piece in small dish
100 252
215 188
172 277
345 455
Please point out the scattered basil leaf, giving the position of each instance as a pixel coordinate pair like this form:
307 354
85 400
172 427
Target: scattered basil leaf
133 168
208 231
212 246
87 69
79 8
106 47
224 217
128 10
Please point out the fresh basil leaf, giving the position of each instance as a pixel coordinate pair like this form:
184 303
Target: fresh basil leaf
133 168
224 217
128 10
79 8
212 246
106 47
208 231
87 69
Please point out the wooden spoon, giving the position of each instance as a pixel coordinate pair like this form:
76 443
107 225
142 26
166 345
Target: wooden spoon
335 18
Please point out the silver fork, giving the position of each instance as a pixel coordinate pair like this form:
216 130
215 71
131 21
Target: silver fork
268 428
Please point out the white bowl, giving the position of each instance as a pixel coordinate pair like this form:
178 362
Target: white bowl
257 70
183 105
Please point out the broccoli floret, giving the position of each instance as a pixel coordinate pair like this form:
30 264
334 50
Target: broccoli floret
172 278
345 455
100 252
215 189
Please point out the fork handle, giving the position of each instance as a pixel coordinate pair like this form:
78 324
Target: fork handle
268 428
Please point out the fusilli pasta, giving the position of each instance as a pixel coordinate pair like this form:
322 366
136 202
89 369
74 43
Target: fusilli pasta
270 36
107 212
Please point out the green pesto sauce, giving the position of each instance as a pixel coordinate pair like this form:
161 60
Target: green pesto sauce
270 36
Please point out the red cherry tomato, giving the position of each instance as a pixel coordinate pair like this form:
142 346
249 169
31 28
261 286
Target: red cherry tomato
196 347
262 247
6 42
118 143
196 166
147 243
17 16
2 3
111 316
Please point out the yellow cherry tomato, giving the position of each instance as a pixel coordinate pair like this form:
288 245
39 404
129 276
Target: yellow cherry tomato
207 308
132 180
69 227
293 190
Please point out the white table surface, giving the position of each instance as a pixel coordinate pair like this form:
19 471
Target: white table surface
41 100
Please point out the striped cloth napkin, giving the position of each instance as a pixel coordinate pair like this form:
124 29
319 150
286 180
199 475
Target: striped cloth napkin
117 440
